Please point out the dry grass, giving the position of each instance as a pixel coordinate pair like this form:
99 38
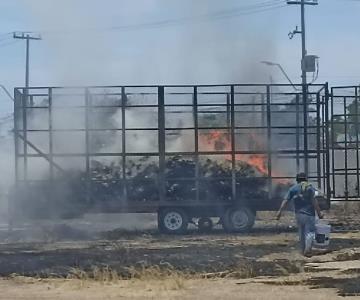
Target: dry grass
352 208
241 271
346 209
102 275
228 289
170 278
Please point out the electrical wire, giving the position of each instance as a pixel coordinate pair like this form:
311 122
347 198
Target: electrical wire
224 14
8 43
5 39
200 19
5 34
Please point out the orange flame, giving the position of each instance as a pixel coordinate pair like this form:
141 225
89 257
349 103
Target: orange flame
217 140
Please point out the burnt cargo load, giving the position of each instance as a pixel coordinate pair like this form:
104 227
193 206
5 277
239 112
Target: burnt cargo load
189 153
67 196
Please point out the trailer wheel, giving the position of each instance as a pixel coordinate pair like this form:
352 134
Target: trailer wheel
238 219
173 221
205 224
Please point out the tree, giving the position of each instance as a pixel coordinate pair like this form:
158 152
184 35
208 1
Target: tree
353 119
338 128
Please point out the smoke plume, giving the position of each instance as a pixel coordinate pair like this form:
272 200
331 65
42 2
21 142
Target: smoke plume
79 52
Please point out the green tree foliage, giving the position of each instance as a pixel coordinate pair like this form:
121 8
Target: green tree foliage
338 128
353 119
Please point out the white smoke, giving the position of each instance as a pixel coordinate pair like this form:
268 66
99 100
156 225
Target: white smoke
6 164
81 53
227 51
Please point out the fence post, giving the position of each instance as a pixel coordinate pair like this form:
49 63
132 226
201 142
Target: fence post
161 135
269 139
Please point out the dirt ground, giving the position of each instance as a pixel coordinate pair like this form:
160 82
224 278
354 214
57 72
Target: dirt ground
191 289
79 261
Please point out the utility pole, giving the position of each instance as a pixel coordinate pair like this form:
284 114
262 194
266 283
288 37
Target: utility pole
27 37
303 3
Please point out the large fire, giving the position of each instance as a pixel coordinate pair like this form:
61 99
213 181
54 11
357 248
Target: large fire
217 140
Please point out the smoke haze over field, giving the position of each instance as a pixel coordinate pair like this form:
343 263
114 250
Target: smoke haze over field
6 164
195 52
180 52
77 50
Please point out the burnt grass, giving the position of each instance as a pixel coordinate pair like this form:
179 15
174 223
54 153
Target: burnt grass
189 254
215 255
346 286
194 259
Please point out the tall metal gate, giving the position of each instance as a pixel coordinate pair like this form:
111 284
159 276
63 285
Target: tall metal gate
344 143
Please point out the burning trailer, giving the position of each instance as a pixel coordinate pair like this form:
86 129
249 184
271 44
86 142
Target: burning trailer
187 153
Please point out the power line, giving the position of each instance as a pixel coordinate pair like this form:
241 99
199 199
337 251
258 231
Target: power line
3 87
5 38
224 14
203 18
179 22
5 34
8 44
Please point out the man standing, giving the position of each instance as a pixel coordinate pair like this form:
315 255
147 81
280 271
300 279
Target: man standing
302 195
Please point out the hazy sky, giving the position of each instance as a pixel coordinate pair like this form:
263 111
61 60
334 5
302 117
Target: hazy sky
207 43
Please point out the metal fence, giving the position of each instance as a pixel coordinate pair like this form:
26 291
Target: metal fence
58 130
344 143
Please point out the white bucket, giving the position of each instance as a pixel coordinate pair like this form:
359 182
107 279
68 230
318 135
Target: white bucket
322 234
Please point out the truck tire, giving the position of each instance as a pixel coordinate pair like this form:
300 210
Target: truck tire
173 221
205 225
238 219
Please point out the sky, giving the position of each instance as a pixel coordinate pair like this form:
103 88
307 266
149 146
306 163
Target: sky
140 42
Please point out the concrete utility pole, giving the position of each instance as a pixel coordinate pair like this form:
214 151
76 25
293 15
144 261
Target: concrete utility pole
302 3
27 37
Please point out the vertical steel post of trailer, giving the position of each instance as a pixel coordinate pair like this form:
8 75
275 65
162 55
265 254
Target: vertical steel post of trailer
306 146
17 95
253 114
24 101
263 111
196 141
269 138
318 140
161 136
233 145
327 128
228 110
297 132
346 149
324 143
11 204
123 141
333 143
51 145
357 140
87 144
